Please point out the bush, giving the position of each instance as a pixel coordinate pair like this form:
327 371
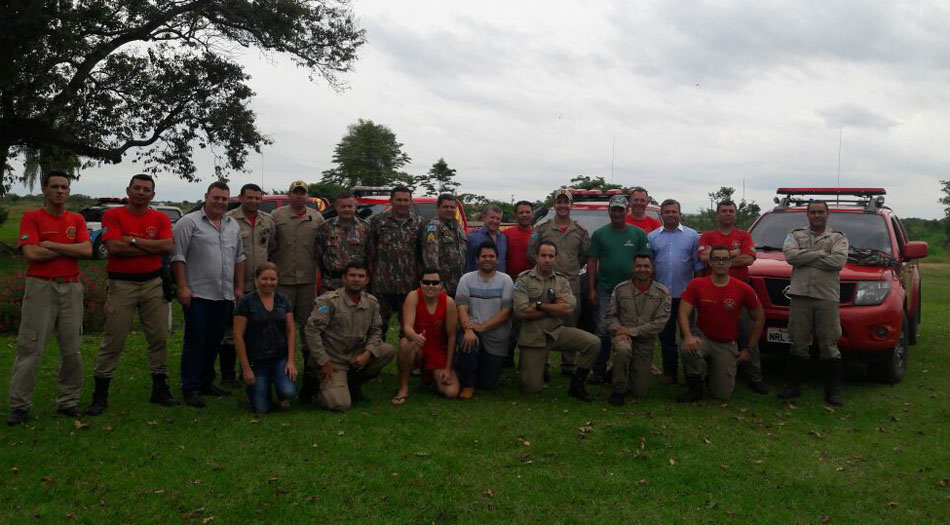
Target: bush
4 213
94 284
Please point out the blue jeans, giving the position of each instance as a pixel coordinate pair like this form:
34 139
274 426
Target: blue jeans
205 322
266 373
603 302
478 368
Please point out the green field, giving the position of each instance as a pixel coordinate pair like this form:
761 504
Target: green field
500 457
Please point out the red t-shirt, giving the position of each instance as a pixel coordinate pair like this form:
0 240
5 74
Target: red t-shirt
152 224
736 239
647 223
517 258
719 306
68 228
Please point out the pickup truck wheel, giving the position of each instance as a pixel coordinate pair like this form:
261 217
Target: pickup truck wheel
99 250
890 369
914 327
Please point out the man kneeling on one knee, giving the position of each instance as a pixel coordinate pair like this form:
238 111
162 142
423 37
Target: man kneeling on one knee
542 300
639 309
718 300
344 335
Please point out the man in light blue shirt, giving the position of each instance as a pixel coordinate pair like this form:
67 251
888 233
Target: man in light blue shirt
491 218
208 260
676 263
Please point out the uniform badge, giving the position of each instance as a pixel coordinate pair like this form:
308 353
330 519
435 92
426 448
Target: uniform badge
516 284
430 237
324 309
24 237
729 304
71 232
431 228
151 232
655 298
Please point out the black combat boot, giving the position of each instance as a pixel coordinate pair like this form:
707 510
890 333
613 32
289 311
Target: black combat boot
100 397
17 417
796 375
354 382
616 398
309 385
694 389
832 369
577 389
161 394
227 358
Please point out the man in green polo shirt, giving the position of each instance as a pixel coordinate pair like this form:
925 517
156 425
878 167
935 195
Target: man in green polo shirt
609 263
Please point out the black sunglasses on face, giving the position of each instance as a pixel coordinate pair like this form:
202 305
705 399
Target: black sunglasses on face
431 283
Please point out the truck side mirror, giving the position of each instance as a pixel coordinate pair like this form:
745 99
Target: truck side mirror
915 250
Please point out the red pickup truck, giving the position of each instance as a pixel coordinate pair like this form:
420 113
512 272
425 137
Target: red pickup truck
880 305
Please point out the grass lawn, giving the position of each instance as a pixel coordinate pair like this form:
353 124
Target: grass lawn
500 457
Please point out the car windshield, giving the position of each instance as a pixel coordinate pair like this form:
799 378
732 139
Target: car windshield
864 230
173 214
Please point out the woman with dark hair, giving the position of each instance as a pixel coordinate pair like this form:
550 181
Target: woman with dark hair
264 340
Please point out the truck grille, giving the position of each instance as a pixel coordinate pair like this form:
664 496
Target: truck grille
776 289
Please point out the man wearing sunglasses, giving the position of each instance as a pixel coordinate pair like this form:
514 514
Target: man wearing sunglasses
718 300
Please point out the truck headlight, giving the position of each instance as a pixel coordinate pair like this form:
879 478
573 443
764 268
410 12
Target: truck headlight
869 293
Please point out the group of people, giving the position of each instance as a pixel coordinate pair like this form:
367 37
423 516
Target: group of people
248 282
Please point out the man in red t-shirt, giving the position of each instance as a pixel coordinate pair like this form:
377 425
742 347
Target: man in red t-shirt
637 211
52 239
136 237
517 259
742 249
718 300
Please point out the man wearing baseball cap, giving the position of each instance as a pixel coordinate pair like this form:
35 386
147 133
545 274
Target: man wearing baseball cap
609 263
295 254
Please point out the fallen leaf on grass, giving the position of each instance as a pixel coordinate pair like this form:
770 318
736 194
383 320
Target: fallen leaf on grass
340 432
313 445
47 481
80 425
832 410
209 519
524 441
792 406
253 421
893 504
895 419
672 462
285 424
815 433
488 493
422 454
943 481
724 467
107 428
71 515
758 462
707 441
15 470
272 479
642 482
151 423
839 469
826 519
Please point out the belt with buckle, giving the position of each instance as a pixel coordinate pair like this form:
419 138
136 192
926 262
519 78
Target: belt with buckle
59 280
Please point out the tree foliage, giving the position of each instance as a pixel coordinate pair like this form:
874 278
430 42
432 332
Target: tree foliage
583 182
746 212
440 179
368 155
99 78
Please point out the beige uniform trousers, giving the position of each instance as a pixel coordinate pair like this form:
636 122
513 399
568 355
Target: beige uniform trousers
301 297
751 369
335 393
720 359
819 316
569 357
48 306
124 299
631 365
531 363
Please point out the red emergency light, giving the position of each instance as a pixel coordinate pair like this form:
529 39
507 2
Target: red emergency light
858 192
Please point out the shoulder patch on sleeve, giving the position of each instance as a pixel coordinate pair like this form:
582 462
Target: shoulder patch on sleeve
430 228
324 309
788 238
534 235
24 236
516 284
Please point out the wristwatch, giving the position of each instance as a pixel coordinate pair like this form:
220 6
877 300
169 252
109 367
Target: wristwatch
133 242
537 304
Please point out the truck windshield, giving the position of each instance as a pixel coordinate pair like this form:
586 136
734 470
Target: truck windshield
864 230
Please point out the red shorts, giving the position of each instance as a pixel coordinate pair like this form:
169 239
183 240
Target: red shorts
434 358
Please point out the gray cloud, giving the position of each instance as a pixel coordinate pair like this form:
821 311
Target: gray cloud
855 116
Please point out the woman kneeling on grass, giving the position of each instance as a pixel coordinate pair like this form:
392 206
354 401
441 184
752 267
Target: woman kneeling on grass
264 340
429 322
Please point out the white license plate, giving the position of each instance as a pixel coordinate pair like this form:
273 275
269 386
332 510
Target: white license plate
778 335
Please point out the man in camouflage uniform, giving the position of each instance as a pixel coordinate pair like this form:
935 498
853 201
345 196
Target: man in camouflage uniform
817 255
344 335
638 311
258 235
573 242
341 240
444 244
392 254
541 299
295 254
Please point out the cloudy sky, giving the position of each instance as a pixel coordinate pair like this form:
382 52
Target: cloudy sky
680 97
